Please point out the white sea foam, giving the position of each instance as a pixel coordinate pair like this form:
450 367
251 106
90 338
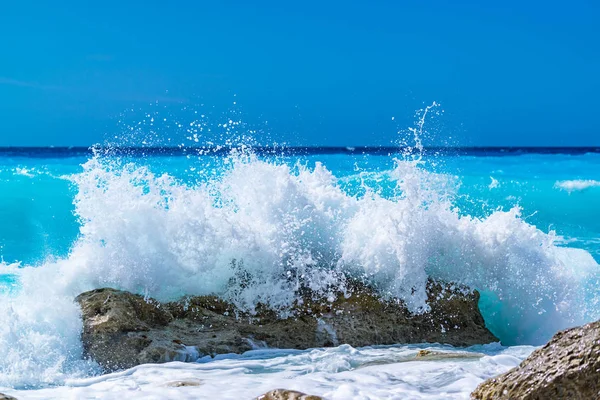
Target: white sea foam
338 374
24 172
494 183
576 185
259 230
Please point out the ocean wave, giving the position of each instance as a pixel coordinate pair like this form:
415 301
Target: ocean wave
257 231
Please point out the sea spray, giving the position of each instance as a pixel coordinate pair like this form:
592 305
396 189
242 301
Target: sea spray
256 230
293 226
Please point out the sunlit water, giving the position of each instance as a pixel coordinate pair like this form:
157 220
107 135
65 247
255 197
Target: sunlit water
522 229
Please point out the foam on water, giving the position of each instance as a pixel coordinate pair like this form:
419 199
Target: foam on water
258 230
576 185
337 373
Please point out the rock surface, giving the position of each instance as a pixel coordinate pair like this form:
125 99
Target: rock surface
7 397
568 367
434 355
282 394
121 330
187 383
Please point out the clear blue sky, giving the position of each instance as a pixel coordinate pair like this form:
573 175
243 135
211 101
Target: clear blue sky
321 72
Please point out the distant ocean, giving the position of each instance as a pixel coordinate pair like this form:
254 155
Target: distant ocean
521 225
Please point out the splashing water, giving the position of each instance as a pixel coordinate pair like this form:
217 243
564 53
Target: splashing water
418 131
279 227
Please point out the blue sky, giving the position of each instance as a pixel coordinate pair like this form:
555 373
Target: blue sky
322 73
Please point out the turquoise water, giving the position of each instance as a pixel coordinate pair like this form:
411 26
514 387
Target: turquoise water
36 202
522 229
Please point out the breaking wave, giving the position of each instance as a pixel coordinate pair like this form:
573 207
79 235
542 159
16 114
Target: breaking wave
257 230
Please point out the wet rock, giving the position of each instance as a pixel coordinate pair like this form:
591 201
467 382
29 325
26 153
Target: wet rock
568 367
282 394
422 355
363 319
112 321
122 329
433 355
187 383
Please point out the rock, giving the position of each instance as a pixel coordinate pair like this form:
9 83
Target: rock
568 367
188 383
121 329
363 319
422 355
6 397
112 320
433 355
282 394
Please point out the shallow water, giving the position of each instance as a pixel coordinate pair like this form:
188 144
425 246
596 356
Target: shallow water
336 373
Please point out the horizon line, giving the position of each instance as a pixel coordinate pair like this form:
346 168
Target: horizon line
349 147
68 151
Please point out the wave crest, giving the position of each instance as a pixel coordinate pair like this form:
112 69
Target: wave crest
292 226
257 231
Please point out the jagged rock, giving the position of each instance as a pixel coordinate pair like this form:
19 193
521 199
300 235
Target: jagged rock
568 367
121 329
282 394
112 320
6 397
